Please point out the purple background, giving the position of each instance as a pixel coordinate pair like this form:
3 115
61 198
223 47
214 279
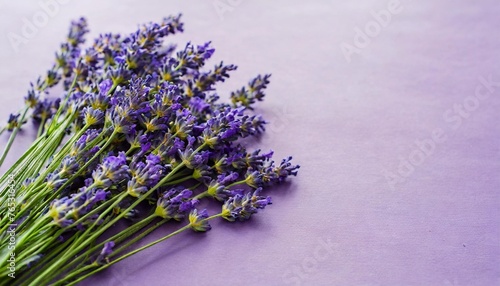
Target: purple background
347 123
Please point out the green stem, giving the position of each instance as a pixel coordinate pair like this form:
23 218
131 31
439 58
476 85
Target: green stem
94 211
22 239
84 167
44 262
80 245
201 195
40 195
100 268
37 247
13 136
178 181
76 273
205 193
112 89
235 184
138 237
62 106
35 165
130 150
117 238
40 128
102 215
19 163
195 186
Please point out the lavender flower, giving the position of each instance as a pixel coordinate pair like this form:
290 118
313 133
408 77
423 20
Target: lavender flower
105 252
270 174
112 170
93 116
77 32
66 210
217 188
175 203
54 181
241 207
32 98
144 175
13 121
255 159
44 109
198 222
255 92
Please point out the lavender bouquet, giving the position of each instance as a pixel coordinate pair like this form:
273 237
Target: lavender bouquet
138 133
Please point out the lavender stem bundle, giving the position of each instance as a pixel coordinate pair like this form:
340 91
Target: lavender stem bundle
138 134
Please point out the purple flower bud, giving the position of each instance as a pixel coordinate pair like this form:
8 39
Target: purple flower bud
175 203
13 121
198 222
105 86
241 207
105 252
113 169
144 175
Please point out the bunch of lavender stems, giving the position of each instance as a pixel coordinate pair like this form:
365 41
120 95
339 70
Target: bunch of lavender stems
137 134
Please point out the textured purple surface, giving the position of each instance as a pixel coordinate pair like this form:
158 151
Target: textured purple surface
348 124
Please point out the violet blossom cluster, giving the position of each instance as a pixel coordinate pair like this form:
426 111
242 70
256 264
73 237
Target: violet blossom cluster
147 131
164 107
